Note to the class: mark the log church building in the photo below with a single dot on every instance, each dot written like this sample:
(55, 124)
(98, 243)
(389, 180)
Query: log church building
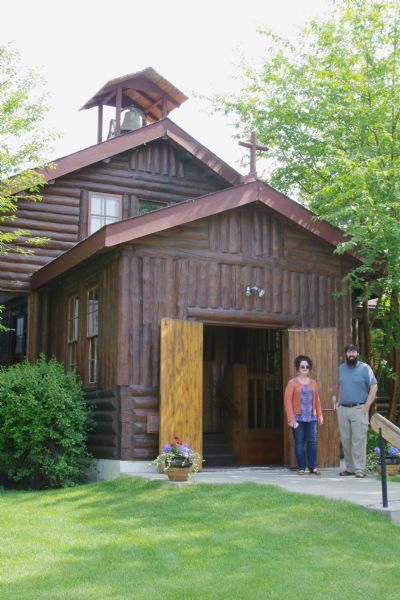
(179, 291)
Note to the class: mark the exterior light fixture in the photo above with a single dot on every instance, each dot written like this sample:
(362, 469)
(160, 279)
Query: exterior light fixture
(253, 289)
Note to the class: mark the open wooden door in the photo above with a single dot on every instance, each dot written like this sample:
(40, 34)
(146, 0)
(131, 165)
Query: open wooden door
(321, 346)
(181, 382)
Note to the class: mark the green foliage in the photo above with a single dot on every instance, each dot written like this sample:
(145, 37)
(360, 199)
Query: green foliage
(23, 143)
(328, 107)
(372, 442)
(43, 425)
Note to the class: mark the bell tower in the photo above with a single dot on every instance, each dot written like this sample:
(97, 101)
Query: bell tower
(139, 99)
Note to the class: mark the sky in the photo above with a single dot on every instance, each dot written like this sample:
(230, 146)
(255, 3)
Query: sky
(79, 45)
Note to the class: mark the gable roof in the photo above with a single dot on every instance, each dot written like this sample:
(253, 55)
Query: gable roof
(144, 89)
(141, 226)
(164, 129)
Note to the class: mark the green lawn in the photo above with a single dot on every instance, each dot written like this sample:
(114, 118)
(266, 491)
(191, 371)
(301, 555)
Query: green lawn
(134, 538)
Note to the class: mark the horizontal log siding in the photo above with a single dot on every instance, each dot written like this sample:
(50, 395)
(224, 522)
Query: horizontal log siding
(104, 438)
(205, 266)
(157, 172)
(136, 403)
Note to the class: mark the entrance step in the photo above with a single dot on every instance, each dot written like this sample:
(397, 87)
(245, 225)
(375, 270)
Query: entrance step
(216, 452)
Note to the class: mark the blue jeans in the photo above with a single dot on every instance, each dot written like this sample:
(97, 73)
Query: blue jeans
(305, 435)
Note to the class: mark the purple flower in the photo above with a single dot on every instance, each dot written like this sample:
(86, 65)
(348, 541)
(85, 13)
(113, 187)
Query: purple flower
(389, 451)
(392, 451)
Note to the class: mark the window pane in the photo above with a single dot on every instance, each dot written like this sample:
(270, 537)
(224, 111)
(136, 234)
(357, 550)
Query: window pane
(93, 360)
(19, 335)
(111, 220)
(97, 205)
(76, 312)
(72, 356)
(96, 223)
(146, 206)
(73, 318)
(93, 313)
(113, 207)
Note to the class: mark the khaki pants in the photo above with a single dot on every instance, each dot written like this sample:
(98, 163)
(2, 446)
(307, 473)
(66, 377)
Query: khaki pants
(353, 427)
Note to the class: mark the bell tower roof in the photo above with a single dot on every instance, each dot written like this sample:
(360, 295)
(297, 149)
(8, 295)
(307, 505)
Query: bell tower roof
(145, 90)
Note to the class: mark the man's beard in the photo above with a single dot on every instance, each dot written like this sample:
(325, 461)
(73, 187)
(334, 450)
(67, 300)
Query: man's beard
(351, 361)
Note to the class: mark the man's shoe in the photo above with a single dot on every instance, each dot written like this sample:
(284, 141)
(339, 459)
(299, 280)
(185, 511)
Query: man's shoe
(360, 474)
(345, 473)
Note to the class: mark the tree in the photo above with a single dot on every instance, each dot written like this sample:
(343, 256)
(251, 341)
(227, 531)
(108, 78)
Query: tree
(328, 106)
(23, 143)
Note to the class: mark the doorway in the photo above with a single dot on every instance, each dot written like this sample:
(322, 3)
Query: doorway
(242, 396)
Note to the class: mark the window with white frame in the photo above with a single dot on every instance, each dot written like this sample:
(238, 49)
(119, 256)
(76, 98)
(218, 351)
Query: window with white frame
(73, 332)
(103, 209)
(92, 331)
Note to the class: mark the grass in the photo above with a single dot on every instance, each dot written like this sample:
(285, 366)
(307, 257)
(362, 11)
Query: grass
(134, 538)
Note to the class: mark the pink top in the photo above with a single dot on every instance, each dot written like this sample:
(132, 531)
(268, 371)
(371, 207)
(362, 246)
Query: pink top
(292, 399)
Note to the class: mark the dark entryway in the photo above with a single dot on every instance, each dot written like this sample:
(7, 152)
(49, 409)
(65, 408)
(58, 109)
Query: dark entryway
(14, 320)
(242, 396)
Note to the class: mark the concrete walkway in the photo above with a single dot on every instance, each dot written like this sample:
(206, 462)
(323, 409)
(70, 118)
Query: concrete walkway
(365, 492)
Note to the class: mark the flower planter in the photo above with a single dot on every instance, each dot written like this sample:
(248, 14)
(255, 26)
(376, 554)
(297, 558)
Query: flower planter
(392, 466)
(178, 473)
(180, 461)
(177, 460)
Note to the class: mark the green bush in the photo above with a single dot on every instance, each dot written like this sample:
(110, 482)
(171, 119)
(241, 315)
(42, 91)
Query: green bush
(372, 440)
(43, 426)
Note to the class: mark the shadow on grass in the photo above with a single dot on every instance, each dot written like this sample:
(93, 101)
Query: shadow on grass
(134, 538)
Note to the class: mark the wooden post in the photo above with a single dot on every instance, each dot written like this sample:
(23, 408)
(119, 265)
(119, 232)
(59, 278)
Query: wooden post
(118, 106)
(99, 123)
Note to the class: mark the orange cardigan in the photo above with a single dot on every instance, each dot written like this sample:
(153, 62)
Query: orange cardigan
(293, 402)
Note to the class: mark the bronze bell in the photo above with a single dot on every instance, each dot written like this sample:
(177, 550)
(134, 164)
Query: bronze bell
(133, 119)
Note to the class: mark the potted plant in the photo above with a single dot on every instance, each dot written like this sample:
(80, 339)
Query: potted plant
(177, 459)
(392, 459)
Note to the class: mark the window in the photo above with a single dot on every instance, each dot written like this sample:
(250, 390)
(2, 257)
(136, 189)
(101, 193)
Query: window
(93, 331)
(146, 206)
(20, 335)
(73, 332)
(103, 209)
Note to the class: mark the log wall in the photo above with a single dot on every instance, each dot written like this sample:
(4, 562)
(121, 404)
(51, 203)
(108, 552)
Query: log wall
(157, 172)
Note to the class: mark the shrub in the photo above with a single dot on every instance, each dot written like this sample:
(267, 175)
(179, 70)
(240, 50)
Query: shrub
(43, 426)
(372, 440)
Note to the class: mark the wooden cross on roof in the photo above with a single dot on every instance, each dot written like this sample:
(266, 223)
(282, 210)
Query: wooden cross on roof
(252, 175)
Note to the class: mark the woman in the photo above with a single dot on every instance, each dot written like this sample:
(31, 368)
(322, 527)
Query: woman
(304, 414)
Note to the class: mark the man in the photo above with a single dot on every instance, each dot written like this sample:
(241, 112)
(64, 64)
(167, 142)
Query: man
(357, 391)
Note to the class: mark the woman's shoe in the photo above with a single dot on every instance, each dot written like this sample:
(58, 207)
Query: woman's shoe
(315, 472)
(301, 472)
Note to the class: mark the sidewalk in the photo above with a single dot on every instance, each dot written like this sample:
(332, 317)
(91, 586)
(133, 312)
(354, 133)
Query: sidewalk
(365, 492)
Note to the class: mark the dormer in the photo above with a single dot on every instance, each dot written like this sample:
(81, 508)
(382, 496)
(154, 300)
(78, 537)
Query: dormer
(139, 99)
